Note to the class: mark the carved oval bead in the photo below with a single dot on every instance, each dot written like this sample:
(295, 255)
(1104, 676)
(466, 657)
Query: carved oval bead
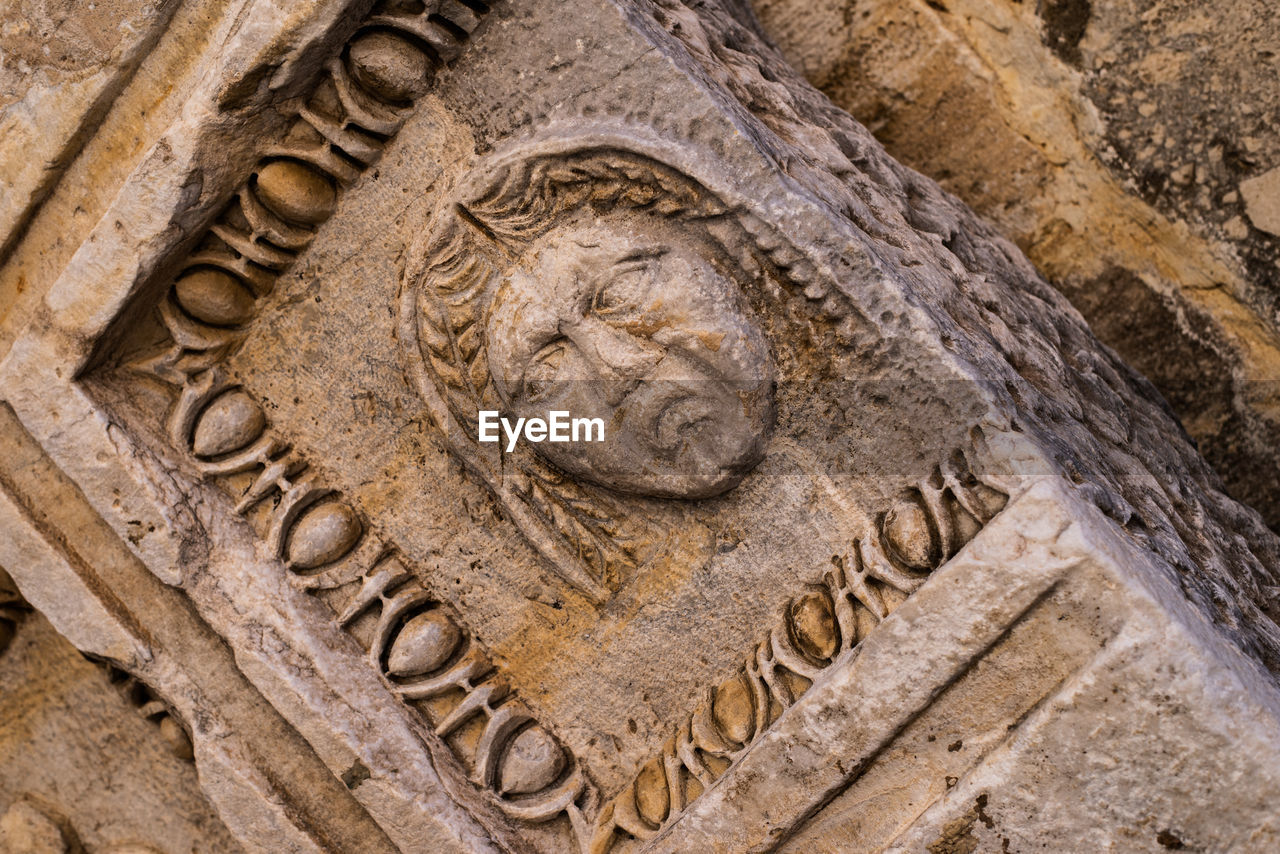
(531, 762)
(652, 798)
(813, 625)
(215, 297)
(231, 422)
(424, 644)
(296, 192)
(909, 536)
(734, 710)
(389, 66)
(324, 533)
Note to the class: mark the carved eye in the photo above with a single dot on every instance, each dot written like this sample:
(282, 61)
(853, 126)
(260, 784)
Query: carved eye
(544, 370)
(624, 292)
(611, 299)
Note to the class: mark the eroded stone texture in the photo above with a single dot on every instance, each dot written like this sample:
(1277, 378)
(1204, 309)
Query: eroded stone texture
(61, 67)
(1125, 147)
(242, 455)
(92, 758)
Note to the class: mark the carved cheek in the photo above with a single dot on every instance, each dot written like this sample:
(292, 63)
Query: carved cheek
(514, 332)
(747, 356)
(728, 338)
(578, 385)
(733, 352)
(505, 367)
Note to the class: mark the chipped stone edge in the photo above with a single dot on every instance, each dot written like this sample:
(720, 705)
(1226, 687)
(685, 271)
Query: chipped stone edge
(823, 743)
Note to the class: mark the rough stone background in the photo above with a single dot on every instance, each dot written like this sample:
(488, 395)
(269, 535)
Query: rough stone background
(1127, 153)
(1129, 148)
(74, 744)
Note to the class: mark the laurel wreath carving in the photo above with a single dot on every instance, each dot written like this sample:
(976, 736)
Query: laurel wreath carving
(467, 252)
(458, 265)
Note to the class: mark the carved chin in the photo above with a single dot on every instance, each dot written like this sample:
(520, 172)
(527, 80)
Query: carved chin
(696, 486)
(626, 471)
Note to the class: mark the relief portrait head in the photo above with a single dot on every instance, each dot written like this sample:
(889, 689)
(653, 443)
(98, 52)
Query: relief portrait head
(630, 319)
(603, 284)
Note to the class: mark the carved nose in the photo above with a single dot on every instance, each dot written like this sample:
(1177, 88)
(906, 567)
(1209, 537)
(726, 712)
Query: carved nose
(621, 361)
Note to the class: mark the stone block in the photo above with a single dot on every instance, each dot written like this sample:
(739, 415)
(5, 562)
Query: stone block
(864, 470)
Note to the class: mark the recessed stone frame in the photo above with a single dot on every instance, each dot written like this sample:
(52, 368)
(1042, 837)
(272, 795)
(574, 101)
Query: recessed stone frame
(361, 101)
(423, 651)
(419, 645)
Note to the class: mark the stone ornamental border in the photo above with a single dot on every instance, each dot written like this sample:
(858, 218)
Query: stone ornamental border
(419, 645)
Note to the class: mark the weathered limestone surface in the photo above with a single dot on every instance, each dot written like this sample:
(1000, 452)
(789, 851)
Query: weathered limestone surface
(884, 549)
(63, 65)
(92, 751)
(259, 776)
(1129, 148)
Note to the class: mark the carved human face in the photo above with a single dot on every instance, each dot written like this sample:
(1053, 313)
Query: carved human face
(643, 331)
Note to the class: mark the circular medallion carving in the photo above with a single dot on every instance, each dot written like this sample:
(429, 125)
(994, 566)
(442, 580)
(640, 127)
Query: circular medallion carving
(600, 282)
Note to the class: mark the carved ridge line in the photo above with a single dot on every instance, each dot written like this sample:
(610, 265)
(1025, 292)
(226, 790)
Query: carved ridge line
(417, 643)
(826, 625)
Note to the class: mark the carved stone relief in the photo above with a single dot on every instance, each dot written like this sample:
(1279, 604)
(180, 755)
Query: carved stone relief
(600, 534)
(674, 372)
(563, 272)
(822, 385)
(661, 365)
(524, 298)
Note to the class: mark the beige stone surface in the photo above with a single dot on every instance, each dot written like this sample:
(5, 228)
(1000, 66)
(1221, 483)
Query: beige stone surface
(240, 459)
(62, 66)
(1262, 200)
(75, 745)
(1111, 142)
